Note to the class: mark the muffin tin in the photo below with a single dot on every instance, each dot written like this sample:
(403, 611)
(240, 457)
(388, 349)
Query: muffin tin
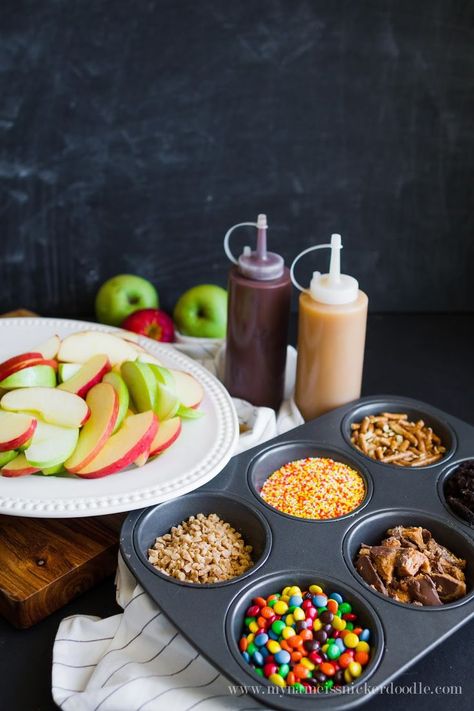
(291, 550)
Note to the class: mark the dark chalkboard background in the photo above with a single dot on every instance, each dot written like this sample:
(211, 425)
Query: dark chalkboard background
(134, 132)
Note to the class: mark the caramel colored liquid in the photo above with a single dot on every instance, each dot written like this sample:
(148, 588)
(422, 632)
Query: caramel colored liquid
(331, 342)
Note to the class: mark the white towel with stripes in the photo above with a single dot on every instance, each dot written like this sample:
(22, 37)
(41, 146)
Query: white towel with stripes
(136, 660)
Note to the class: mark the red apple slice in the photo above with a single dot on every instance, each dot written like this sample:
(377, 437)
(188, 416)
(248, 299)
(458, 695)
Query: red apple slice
(103, 404)
(189, 391)
(18, 467)
(80, 347)
(54, 406)
(132, 439)
(15, 430)
(26, 360)
(168, 432)
(89, 375)
(49, 349)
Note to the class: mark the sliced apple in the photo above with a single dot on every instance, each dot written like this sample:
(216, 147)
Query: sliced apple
(53, 405)
(89, 375)
(118, 384)
(19, 467)
(51, 445)
(20, 362)
(67, 370)
(188, 390)
(148, 358)
(168, 432)
(103, 403)
(49, 349)
(80, 347)
(142, 459)
(6, 457)
(141, 384)
(35, 376)
(15, 429)
(189, 413)
(167, 401)
(128, 336)
(50, 471)
(123, 448)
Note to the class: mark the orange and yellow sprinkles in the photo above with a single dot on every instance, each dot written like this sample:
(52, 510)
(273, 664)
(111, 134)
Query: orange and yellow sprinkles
(315, 488)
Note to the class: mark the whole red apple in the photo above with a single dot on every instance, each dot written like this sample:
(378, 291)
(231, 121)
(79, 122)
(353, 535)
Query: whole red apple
(152, 323)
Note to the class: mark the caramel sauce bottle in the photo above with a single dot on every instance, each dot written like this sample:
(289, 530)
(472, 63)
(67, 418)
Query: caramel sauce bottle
(331, 337)
(257, 322)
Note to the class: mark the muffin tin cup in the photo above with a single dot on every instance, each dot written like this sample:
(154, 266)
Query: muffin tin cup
(158, 520)
(442, 479)
(372, 529)
(375, 406)
(275, 582)
(272, 458)
(291, 550)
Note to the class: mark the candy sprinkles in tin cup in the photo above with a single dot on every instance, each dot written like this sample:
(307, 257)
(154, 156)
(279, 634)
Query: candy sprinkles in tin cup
(305, 640)
(314, 488)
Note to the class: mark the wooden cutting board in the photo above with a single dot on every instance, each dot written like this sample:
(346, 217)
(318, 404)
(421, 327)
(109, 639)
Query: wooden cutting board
(45, 563)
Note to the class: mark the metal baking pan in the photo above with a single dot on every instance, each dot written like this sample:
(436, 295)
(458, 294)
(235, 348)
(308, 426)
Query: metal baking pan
(289, 550)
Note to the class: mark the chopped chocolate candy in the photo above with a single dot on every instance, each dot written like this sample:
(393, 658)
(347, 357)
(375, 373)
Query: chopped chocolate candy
(366, 569)
(459, 491)
(411, 567)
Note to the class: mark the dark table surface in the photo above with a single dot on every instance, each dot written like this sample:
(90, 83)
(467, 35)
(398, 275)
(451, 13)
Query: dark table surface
(428, 357)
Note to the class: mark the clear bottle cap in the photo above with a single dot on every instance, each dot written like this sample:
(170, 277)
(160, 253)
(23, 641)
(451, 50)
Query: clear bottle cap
(334, 287)
(259, 264)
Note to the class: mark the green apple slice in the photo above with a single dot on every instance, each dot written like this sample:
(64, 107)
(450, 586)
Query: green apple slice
(67, 370)
(36, 376)
(118, 384)
(144, 357)
(141, 384)
(167, 401)
(49, 471)
(51, 445)
(189, 413)
(6, 457)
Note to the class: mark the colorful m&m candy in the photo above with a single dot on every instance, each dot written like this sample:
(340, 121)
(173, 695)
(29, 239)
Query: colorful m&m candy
(305, 639)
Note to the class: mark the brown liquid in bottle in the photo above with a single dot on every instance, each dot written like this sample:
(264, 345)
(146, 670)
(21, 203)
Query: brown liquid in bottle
(257, 332)
(257, 322)
(331, 342)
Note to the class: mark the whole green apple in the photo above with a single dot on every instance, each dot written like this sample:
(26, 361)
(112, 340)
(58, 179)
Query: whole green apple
(121, 296)
(202, 312)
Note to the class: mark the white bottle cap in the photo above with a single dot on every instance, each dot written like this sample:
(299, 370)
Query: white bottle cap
(334, 287)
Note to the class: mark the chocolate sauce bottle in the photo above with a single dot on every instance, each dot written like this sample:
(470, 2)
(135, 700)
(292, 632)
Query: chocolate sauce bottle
(257, 321)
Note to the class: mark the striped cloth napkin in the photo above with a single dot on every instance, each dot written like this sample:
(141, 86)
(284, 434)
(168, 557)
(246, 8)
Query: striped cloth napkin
(137, 660)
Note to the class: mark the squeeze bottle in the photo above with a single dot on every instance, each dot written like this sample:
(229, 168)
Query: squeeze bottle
(259, 293)
(331, 337)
